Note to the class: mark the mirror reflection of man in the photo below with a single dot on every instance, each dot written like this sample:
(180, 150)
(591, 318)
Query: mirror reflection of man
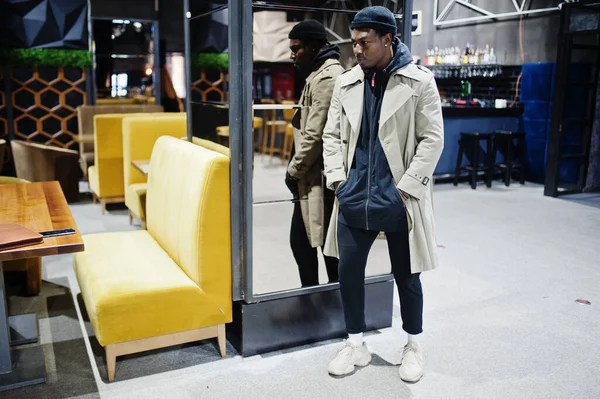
(317, 60)
(382, 142)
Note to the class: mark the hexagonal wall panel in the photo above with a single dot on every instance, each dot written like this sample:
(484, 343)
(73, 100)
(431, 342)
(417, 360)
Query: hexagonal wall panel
(50, 99)
(51, 125)
(47, 115)
(26, 127)
(209, 89)
(23, 99)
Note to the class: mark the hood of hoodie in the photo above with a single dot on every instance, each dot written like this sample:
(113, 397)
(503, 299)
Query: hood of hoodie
(402, 57)
(329, 51)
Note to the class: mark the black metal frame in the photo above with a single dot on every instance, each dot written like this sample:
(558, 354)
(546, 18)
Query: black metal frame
(240, 141)
(559, 121)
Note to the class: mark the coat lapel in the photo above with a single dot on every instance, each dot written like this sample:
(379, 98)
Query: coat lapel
(396, 95)
(352, 102)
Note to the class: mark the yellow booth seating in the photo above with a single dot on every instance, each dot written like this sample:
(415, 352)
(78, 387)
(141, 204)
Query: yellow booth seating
(211, 145)
(85, 124)
(106, 177)
(169, 284)
(139, 136)
(116, 101)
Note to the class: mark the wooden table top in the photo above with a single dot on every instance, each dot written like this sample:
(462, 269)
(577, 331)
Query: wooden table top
(142, 165)
(39, 207)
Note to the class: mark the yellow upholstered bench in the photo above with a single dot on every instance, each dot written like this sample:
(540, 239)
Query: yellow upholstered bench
(169, 284)
(106, 176)
(139, 136)
(85, 124)
(211, 145)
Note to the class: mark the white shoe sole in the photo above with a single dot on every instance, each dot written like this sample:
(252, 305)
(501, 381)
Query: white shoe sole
(351, 368)
(413, 379)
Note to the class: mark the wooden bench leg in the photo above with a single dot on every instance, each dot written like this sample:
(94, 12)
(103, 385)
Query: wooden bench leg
(144, 224)
(222, 340)
(130, 218)
(111, 359)
(162, 341)
(103, 205)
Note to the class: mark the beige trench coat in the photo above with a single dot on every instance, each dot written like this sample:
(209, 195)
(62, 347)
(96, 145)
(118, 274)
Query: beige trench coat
(411, 134)
(307, 163)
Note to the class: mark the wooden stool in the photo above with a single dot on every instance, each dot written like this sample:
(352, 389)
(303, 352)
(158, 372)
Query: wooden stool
(223, 133)
(469, 145)
(288, 142)
(512, 146)
(258, 132)
(273, 128)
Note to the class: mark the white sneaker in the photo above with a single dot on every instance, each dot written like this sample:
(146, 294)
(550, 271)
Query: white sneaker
(348, 357)
(411, 368)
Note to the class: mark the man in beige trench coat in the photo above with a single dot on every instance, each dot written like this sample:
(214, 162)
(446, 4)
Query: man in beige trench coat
(318, 62)
(382, 141)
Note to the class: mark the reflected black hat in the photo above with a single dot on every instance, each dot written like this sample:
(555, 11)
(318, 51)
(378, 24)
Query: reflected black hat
(309, 30)
(377, 17)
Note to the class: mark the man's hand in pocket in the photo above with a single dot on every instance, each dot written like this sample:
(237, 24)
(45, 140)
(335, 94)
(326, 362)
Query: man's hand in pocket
(404, 196)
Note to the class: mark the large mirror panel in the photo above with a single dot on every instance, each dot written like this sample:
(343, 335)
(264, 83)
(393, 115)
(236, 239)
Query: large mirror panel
(291, 218)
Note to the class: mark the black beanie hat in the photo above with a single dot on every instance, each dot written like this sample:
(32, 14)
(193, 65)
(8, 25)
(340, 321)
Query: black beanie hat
(377, 17)
(309, 30)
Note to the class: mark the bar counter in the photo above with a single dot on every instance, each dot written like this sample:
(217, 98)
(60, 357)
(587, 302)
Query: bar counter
(472, 119)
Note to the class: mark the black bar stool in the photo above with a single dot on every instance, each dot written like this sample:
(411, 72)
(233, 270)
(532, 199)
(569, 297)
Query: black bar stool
(512, 147)
(470, 145)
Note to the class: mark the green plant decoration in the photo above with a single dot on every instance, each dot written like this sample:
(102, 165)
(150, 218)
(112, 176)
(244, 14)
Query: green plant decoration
(218, 61)
(45, 57)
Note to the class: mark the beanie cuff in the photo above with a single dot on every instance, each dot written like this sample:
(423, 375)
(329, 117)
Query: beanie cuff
(378, 26)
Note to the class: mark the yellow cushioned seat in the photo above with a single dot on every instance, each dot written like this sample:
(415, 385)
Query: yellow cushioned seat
(135, 290)
(12, 180)
(211, 145)
(170, 284)
(135, 199)
(108, 153)
(139, 135)
(93, 179)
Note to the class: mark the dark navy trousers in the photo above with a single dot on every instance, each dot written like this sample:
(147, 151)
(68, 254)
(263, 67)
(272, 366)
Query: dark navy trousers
(354, 245)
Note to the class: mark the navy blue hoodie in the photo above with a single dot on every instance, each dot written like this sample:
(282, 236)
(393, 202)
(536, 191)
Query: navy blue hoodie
(369, 198)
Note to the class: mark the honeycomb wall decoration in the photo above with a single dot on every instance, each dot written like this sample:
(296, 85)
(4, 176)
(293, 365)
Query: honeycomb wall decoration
(44, 102)
(210, 86)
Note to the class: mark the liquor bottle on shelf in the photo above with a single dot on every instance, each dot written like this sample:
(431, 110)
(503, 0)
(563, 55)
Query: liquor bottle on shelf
(493, 59)
(486, 54)
(427, 57)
